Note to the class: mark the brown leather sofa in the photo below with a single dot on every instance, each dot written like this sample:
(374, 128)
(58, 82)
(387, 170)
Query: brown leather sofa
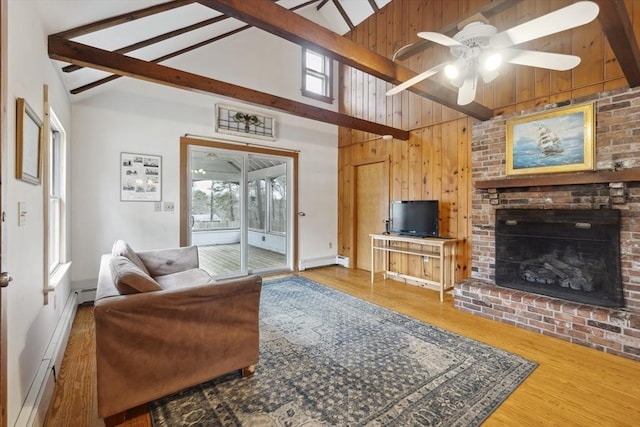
(162, 325)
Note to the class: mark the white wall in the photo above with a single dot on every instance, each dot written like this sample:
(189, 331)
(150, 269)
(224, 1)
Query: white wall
(141, 117)
(134, 116)
(30, 324)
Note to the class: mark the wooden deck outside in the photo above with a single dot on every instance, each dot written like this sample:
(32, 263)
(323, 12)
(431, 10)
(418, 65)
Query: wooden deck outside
(223, 259)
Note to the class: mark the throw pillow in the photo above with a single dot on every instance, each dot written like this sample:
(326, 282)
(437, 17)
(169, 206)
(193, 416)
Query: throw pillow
(129, 278)
(122, 248)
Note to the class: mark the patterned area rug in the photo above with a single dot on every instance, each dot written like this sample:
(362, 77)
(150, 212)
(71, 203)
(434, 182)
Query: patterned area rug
(329, 359)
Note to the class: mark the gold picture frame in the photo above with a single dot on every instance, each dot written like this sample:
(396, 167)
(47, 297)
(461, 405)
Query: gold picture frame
(562, 140)
(28, 143)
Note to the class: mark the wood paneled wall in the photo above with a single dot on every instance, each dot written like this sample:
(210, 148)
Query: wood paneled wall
(435, 162)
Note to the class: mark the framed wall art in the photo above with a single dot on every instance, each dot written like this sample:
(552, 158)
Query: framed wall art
(241, 122)
(562, 140)
(140, 177)
(28, 143)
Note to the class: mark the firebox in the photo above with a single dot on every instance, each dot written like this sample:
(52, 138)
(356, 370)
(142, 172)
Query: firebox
(572, 254)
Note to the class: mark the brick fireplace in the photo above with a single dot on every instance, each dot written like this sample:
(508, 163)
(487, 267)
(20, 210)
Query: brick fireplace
(613, 186)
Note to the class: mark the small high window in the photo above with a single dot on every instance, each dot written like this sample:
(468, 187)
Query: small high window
(317, 76)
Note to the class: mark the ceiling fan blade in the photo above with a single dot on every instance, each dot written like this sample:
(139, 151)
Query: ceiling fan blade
(532, 58)
(439, 38)
(416, 79)
(568, 17)
(467, 92)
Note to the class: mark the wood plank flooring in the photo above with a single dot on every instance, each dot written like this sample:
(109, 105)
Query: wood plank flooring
(221, 259)
(572, 386)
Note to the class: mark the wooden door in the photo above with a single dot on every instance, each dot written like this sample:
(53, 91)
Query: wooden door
(371, 207)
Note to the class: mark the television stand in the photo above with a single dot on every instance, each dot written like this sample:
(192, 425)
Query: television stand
(440, 250)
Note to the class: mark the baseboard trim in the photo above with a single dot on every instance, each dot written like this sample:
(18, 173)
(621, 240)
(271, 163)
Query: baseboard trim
(35, 407)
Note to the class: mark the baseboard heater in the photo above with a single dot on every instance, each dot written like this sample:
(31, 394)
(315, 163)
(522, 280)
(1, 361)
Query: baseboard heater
(36, 404)
(86, 295)
(316, 262)
(343, 261)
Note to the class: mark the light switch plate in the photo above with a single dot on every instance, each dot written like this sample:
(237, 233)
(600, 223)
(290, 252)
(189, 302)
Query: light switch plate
(22, 213)
(169, 206)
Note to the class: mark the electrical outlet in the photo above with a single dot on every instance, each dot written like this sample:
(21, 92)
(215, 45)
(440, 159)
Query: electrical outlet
(168, 206)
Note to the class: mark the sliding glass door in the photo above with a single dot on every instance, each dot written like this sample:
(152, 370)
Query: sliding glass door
(239, 211)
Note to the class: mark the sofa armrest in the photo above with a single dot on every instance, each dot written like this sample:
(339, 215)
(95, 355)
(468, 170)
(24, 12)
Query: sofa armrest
(152, 344)
(161, 262)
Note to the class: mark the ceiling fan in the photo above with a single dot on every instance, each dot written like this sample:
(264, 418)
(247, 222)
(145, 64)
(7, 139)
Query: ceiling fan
(479, 49)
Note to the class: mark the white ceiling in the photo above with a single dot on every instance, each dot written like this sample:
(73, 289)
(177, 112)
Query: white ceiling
(61, 15)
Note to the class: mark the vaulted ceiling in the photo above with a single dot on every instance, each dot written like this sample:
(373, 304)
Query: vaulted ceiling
(136, 43)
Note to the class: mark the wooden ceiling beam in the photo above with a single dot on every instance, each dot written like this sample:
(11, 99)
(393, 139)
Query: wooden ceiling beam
(322, 3)
(278, 21)
(122, 19)
(80, 54)
(617, 27)
(179, 52)
(343, 13)
(182, 51)
(157, 39)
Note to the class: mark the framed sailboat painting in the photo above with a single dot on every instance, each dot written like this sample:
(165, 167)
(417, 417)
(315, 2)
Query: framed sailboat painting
(561, 140)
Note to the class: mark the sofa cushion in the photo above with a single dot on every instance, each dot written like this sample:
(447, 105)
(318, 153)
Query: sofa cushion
(184, 279)
(129, 278)
(122, 248)
(161, 262)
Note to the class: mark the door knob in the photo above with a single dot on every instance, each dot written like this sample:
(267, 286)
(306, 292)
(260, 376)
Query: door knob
(5, 278)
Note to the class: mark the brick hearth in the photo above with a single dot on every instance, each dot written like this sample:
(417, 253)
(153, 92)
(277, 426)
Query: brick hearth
(615, 331)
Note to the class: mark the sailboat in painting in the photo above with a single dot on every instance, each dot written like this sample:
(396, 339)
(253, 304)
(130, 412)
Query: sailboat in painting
(548, 142)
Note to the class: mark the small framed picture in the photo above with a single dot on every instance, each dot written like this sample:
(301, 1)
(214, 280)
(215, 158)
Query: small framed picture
(28, 143)
(140, 177)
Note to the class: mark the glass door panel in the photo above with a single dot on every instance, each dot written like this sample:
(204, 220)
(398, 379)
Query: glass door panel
(267, 208)
(216, 210)
(233, 240)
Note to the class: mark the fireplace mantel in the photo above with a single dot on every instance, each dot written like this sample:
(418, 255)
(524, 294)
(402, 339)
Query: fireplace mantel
(622, 175)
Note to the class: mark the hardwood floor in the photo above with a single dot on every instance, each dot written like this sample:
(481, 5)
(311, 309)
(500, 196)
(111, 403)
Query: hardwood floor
(572, 386)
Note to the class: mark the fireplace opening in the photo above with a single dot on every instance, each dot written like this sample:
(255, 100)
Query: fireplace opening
(572, 254)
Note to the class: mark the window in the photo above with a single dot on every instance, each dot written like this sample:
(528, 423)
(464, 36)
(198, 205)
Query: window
(268, 205)
(215, 204)
(257, 204)
(278, 207)
(56, 199)
(317, 72)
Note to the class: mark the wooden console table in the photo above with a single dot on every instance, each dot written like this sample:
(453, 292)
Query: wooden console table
(439, 250)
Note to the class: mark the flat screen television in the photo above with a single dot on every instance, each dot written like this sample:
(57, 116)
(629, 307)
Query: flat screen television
(414, 218)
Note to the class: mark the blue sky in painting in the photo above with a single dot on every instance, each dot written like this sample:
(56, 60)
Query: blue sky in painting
(569, 128)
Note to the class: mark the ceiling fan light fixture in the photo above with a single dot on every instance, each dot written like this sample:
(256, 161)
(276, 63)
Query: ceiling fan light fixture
(451, 71)
(489, 76)
(457, 71)
(492, 61)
